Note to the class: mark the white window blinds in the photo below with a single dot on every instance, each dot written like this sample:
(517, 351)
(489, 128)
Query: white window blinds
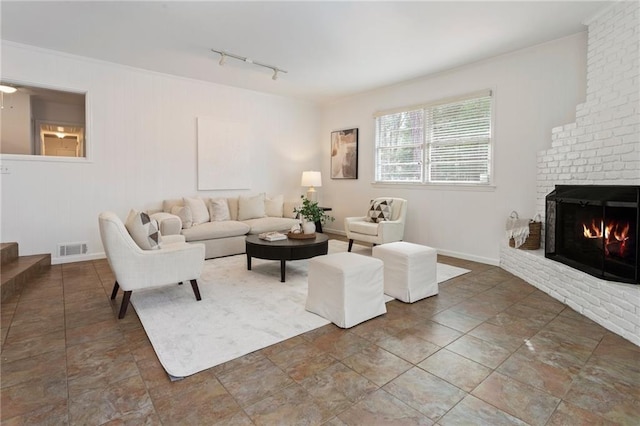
(442, 143)
(399, 141)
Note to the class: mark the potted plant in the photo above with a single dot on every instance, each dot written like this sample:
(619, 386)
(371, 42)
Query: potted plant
(310, 213)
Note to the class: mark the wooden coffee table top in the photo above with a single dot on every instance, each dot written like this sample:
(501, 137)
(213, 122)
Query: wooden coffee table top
(289, 242)
(283, 250)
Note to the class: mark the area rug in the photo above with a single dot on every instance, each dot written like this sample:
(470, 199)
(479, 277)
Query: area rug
(240, 312)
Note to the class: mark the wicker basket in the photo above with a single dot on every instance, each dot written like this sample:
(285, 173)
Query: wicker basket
(533, 240)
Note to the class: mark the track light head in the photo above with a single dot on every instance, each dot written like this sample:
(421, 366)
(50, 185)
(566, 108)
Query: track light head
(223, 58)
(275, 74)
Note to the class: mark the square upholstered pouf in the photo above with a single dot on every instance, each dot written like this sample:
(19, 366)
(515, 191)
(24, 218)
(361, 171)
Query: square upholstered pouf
(346, 288)
(409, 270)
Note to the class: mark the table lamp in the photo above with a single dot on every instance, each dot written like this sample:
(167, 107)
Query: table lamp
(311, 179)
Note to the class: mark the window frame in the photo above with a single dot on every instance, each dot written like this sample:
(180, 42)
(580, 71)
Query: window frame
(426, 143)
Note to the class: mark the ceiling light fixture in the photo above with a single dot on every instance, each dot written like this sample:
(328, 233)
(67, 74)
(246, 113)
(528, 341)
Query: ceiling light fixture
(224, 55)
(7, 89)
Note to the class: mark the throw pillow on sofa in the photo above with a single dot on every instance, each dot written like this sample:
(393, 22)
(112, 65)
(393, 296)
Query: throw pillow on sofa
(219, 210)
(185, 215)
(273, 207)
(251, 207)
(199, 211)
(143, 230)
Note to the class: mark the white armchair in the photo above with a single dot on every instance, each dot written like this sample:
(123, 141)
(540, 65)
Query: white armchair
(135, 269)
(386, 231)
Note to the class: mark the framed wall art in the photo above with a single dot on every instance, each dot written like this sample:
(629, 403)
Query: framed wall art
(344, 154)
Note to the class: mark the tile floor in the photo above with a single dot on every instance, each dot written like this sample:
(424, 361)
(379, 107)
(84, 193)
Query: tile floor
(488, 350)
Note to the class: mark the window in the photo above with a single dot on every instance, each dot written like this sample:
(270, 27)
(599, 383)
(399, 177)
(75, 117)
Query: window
(445, 142)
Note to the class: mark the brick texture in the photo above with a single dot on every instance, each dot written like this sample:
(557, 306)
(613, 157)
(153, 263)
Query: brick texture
(601, 147)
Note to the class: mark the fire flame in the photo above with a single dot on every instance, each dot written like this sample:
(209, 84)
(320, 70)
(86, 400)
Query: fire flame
(615, 233)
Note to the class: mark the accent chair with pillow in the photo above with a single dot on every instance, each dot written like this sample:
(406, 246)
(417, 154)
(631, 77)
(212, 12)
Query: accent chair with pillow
(141, 258)
(383, 223)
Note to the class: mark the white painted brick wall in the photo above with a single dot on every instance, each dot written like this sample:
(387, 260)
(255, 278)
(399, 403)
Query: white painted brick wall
(601, 147)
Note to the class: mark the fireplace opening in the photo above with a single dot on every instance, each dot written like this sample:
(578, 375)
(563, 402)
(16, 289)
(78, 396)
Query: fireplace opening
(594, 228)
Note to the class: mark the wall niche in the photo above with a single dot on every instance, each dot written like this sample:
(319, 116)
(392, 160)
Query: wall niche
(38, 121)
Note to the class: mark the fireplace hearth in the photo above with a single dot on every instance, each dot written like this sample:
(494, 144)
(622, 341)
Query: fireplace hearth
(594, 228)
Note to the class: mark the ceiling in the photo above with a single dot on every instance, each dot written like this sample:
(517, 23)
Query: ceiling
(331, 50)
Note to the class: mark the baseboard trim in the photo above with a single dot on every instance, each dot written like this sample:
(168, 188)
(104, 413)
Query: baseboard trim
(457, 255)
(78, 258)
(473, 258)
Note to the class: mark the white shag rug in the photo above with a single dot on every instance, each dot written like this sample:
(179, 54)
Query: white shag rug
(240, 312)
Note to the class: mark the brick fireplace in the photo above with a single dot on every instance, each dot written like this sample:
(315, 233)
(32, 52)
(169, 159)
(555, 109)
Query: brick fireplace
(601, 148)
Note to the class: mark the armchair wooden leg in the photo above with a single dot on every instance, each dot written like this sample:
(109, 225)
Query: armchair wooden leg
(125, 304)
(180, 283)
(196, 290)
(350, 245)
(116, 286)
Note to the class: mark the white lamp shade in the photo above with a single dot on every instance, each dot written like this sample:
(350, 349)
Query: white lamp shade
(311, 179)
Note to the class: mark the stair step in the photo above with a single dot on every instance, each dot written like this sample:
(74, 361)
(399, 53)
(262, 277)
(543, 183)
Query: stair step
(16, 273)
(9, 252)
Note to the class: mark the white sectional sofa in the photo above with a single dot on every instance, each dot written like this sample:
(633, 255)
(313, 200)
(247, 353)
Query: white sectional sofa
(222, 223)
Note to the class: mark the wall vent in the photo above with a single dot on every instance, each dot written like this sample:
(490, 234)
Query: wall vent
(72, 249)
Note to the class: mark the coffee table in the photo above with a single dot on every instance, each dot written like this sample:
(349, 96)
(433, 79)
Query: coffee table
(284, 250)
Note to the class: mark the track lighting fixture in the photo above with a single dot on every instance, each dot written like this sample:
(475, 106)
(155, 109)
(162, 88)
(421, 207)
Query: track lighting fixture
(224, 55)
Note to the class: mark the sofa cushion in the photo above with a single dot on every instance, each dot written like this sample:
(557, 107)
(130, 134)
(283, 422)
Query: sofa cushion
(270, 224)
(199, 210)
(288, 209)
(211, 230)
(251, 207)
(362, 227)
(273, 206)
(232, 202)
(184, 213)
(167, 205)
(219, 209)
(143, 230)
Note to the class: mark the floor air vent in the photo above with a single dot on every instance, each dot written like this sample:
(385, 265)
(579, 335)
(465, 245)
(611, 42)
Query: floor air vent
(72, 249)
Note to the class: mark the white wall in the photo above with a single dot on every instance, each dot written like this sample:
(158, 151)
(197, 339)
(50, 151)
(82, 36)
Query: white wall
(535, 89)
(142, 147)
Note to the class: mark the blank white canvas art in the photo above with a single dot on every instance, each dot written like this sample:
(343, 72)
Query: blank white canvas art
(224, 157)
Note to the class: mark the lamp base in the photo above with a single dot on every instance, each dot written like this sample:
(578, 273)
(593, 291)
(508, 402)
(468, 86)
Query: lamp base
(312, 195)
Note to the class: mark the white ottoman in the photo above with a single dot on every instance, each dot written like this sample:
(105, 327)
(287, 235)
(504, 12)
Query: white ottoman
(409, 270)
(346, 288)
